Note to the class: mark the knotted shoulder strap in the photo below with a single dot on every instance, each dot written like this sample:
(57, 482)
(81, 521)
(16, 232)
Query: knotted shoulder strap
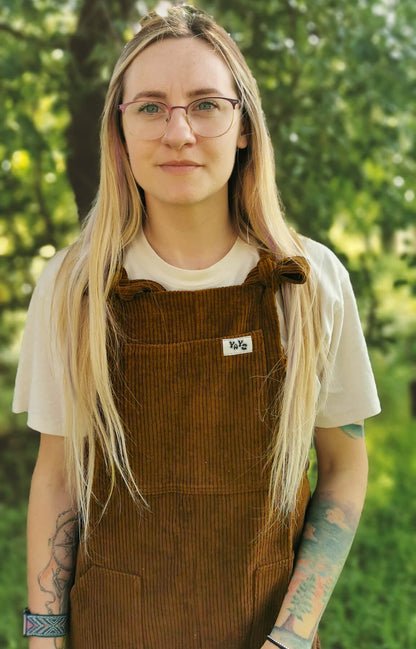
(127, 289)
(273, 272)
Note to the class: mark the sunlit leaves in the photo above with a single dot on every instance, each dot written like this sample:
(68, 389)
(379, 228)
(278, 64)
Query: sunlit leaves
(34, 191)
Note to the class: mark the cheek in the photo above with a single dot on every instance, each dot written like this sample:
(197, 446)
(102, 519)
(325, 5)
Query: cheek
(137, 149)
(138, 159)
(225, 159)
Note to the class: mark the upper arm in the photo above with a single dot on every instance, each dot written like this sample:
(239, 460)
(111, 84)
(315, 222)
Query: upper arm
(340, 456)
(347, 391)
(50, 465)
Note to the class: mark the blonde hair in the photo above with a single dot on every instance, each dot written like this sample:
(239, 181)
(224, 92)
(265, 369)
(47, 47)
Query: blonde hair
(90, 267)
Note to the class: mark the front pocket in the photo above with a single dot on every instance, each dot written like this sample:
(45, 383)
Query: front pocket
(106, 610)
(270, 586)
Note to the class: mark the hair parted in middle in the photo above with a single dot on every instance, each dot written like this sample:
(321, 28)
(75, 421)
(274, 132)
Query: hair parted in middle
(92, 262)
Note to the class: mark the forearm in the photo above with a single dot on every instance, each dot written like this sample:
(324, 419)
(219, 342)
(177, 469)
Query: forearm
(329, 530)
(51, 550)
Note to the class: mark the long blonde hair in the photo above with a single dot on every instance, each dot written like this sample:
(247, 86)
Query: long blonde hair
(87, 274)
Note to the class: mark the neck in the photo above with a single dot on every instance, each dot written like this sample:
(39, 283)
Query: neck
(190, 237)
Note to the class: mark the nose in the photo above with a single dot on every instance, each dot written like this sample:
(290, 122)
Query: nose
(178, 131)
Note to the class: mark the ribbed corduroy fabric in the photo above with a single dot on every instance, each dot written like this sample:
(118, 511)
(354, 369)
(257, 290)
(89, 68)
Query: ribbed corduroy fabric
(196, 372)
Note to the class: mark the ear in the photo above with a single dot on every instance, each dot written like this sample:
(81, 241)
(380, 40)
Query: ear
(242, 142)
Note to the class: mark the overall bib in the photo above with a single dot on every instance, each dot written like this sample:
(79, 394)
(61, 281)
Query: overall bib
(197, 569)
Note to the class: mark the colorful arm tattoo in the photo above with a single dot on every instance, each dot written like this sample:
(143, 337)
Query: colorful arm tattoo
(355, 431)
(328, 534)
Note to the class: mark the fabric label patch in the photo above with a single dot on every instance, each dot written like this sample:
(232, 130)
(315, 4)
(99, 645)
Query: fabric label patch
(233, 346)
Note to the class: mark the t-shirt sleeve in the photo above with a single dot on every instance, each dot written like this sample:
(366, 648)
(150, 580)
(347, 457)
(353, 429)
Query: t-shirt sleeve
(347, 391)
(38, 386)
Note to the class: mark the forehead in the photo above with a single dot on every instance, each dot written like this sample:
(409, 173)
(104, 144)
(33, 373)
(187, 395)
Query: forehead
(177, 65)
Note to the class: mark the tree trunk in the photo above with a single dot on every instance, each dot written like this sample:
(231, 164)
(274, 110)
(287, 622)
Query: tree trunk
(95, 44)
(288, 624)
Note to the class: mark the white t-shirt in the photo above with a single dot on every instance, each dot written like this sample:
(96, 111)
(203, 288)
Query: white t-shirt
(350, 395)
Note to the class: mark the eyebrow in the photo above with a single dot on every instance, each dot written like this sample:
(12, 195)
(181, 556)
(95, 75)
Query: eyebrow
(199, 92)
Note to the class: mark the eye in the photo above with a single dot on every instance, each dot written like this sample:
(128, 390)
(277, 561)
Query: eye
(205, 105)
(150, 108)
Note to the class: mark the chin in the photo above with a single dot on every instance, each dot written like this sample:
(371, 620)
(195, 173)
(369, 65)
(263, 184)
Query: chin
(184, 199)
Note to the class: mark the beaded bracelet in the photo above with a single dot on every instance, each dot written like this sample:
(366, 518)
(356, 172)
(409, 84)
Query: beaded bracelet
(44, 626)
(276, 643)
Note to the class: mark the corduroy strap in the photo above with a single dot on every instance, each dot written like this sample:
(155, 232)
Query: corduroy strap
(127, 289)
(272, 272)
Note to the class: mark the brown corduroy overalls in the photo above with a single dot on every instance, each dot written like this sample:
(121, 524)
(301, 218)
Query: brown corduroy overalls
(196, 570)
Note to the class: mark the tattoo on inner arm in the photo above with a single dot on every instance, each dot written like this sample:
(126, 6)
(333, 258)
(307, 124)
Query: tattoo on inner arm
(56, 578)
(355, 431)
(328, 534)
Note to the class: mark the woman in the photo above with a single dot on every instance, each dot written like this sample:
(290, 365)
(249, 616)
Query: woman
(201, 347)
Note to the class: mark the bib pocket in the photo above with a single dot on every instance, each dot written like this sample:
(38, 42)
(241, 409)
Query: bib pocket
(200, 420)
(106, 610)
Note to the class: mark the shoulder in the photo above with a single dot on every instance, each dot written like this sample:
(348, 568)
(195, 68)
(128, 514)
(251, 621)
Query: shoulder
(347, 390)
(323, 261)
(329, 274)
(47, 279)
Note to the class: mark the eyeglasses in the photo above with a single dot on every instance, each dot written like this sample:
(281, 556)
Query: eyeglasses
(207, 117)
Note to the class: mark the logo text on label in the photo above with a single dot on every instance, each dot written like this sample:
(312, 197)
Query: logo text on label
(240, 345)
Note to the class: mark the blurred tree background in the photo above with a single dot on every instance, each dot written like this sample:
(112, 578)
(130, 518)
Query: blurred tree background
(338, 81)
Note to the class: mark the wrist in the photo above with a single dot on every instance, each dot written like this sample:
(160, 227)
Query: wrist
(46, 643)
(44, 626)
(276, 643)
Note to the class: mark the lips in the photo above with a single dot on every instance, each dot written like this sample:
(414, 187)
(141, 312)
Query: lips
(179, 166)
(179, 163)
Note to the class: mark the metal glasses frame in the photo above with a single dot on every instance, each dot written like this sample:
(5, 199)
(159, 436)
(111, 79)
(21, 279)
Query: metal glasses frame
(233, 102)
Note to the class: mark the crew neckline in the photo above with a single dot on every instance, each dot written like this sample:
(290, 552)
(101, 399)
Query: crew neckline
(143, 262)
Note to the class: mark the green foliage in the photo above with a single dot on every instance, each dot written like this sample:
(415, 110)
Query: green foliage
(17, 452)
(337, 81)
(338, 84)
(37, 212)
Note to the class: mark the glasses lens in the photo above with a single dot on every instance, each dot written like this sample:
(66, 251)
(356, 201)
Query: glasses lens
(146, 119)
(208, 117)
(211, 116)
